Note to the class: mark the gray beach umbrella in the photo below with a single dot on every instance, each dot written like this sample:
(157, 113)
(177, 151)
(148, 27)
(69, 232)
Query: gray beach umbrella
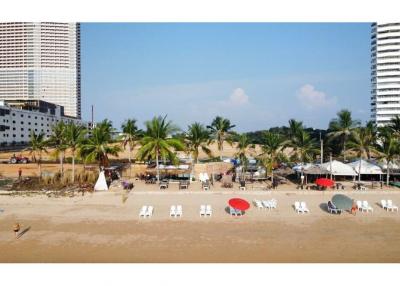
(342, 202)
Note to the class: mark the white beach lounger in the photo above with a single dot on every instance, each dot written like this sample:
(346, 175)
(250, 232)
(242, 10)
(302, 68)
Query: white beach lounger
(391, 206)
(179, 211)
(142, 212)
(367, 207)
(360, 206)
(273, 203)
(303, 206)
(297, 207)
(384, 205)
(172, 211)
(149, 212)
(208, 210)
(258, 204)
(232, 211)
(267, 204)
(202, 210)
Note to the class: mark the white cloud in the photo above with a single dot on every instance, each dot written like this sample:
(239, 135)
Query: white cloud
(312, 98)
(238, 97)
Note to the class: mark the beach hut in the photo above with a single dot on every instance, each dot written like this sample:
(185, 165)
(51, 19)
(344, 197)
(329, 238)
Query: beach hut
(101, 184)
(337, 168)
(365, 168)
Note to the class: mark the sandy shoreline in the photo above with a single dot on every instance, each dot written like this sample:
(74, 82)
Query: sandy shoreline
(105, 227)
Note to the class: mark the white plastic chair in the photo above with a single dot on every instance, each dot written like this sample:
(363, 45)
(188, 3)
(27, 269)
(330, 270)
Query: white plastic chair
(179, 211)
(208, 210)
(273, 203)
(297, 207)
(360, 206)
(202, 210)
(232, 211)
(142, 212)
(384, 205)
(303, 206)
(391, 206)
(258, 204)
(172, 211)
(266, 204)
(367, 207)
(149, 212)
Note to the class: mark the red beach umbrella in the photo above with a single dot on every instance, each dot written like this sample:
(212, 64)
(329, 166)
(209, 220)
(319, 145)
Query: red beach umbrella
(324, 182)
(239, 204)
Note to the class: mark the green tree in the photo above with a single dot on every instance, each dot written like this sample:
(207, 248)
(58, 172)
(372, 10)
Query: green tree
(38, 146)
(158, 142)
(388, 148)
(394, 125)
(295, 127)
(100, 145)
(197, 137)
(58, 141)
(221, 129)
(341, 128)
(130, 137)
(272, 147)
(304, 147)
(75, 135)
(242, 146)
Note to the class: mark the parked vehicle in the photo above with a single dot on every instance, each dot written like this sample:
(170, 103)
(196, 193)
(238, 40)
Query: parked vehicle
(18, 160)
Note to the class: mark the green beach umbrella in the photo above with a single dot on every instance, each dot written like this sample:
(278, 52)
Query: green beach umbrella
(342, 202)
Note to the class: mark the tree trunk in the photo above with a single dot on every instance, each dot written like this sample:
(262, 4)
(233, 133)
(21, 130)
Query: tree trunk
(129, 158)
(359, 171)
(61, 157)
(387, 174)
(73, 166)
(344, 150)
(40, 166)
(158, 170)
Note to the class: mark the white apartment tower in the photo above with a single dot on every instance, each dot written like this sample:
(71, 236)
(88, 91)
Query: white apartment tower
(385, 72)
(41, 61)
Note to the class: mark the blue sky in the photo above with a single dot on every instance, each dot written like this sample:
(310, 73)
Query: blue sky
(257, 75)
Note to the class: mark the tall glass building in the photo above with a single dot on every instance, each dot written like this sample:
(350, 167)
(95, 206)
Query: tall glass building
(385, 72)
(41, 61)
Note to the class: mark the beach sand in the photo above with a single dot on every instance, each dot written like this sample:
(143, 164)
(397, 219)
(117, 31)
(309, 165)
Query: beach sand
(105, 227)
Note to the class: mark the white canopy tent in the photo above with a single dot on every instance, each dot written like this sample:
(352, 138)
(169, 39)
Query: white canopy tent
(392, 166)
(365, 168)
(337, 168)
(101, 184)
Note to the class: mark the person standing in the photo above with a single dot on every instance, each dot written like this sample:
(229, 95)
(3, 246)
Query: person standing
(16, 229)
(19, 173)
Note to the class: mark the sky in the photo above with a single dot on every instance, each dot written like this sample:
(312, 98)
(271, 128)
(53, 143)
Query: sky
(259, 75)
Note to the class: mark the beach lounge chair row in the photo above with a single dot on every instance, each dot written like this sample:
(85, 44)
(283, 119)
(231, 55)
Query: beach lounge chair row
(205, 210)
(146, 211)
(388, 205)
(269, 204)
(301, 207)
(364, 206)
(176, 211)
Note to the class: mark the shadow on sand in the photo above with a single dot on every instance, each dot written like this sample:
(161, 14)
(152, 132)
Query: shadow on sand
(324, 207)
(23, 232)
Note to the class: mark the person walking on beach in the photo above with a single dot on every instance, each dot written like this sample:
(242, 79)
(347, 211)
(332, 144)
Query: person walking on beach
(17, 227)
(19, 173)
(354, 208)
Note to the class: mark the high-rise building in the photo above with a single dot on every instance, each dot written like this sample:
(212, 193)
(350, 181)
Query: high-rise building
(385, 72)
(41, 61)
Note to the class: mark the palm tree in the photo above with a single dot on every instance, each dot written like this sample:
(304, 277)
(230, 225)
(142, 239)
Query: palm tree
(243, 145)
(130, 136)
(395, 125)
(99, 145)
(221, 129)
(388, 148)
(362, 141)
(158, 142)
(38, 145)
(294, 128)
(74, 138)
(342, 127)
(57, 140)
(304, 147)
(197, 137)
(272, 146)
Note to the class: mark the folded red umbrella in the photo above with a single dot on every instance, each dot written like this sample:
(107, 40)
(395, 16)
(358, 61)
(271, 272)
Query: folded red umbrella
(239, 204)
(324, 182)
